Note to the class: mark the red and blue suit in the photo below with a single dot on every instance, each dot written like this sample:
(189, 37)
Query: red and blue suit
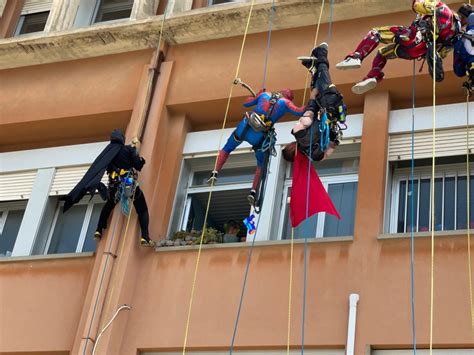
(245, 133)
(409, 42)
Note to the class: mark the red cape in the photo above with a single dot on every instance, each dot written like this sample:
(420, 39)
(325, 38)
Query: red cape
(319, 200)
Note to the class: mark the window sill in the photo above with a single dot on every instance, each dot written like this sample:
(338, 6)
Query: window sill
(456, 233)
(13, 259)
(265, 243)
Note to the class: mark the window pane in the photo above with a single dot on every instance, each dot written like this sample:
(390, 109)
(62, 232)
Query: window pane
(10, 231)
(335, 166)
(226, 176)
(225, 206)
(449, 199)
(344, 198)
(409, 205)
(34, 22)
(90, 244)
(402, 208)
(461, 215)
(114, 10)
(67, 230)
(424, 211)
(306, 228)
(438, 204)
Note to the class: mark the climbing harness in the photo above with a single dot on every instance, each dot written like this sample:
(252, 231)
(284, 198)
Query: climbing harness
(125, 183)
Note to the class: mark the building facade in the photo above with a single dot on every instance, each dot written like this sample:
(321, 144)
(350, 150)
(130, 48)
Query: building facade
(73, 70)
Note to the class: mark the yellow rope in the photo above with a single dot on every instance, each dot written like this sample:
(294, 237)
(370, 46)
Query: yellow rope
(290, 289)
(314, 45)
(468, 182)
(198, 259)
(433, 180)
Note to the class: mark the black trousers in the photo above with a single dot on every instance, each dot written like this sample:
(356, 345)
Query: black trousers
(140, 206)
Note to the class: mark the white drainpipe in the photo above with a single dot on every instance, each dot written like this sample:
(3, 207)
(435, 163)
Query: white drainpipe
(351, 328)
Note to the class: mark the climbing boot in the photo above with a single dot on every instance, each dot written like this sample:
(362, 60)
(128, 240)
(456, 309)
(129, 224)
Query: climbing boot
(98, 235)
(146, 242)
(349, 63)
(364, 86)
(251, 197)
(212, 180)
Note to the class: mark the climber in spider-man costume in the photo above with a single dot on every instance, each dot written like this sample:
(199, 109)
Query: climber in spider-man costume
(256, 124)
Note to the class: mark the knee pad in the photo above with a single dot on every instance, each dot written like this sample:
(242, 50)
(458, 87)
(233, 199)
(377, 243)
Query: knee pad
(236, 137)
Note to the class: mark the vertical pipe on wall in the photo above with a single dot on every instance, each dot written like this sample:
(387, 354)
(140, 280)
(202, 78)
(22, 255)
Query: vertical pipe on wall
(351, 327)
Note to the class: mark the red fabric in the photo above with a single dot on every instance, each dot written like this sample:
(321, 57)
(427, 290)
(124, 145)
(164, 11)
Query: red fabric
(319, 200)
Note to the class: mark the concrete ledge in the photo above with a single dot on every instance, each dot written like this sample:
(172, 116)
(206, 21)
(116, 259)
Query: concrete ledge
(187, 27)
(266, 243)
(394, 236)
(14, 259)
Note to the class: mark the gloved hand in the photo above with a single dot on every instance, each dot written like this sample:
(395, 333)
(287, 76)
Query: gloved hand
(212, 178)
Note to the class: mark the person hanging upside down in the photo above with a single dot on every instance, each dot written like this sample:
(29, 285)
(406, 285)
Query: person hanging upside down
(120, 162)
(324, 98)
(253, 129)
(464, 55)
(404, 42)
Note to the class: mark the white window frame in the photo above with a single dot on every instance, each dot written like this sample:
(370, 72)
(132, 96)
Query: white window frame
(6, 207)
(326, 181)
(85, 224)
(110, 7)
(404, 174)
(21, 21)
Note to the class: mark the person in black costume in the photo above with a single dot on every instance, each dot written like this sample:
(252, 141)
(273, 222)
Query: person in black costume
(324, 98)
(121, 162)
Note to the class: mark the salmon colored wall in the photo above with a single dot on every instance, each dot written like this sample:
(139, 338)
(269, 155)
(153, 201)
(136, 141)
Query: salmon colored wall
(68, 101)
(41, 303)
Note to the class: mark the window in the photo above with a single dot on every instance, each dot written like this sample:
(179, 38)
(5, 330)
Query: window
(11, 216)
(73, 232)
(229, 196)
(109, 10)
(32, 23)
(450, 185)
(218, 2)
(340, 178)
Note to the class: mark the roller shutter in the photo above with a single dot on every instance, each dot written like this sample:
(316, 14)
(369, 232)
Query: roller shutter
(34, 6)
(66, 178)
(16, 186)
(448, 143)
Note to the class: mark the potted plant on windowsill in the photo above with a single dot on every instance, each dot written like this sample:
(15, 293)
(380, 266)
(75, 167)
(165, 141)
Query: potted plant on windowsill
(183, 238)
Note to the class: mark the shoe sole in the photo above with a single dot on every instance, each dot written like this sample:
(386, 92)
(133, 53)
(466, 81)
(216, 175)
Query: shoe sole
(348, 66)
(359, 90)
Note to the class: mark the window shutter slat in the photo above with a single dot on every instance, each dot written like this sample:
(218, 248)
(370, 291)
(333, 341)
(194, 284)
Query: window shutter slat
(66, 178)
(34, 6)
(448, 143)
(16, 186)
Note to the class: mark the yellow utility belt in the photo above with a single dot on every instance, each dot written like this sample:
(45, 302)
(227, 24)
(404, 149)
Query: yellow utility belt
(115, 175)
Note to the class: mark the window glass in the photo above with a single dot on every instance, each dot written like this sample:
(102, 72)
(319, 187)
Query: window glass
(450, 198)
(113, 10)
(89, 243)
(225, 206)
(217, 2)
(344, 198)
(10, 231)
(32, 23)
(226, 176)
(67, 230)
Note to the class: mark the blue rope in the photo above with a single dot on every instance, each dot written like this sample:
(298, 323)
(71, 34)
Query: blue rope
(267, 52)
(324, 130)
(412, 262)
(244, 286)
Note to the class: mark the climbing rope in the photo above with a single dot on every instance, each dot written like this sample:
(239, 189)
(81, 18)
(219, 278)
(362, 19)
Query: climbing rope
(290, 292)
(412, 202)
(433, 170)
(468, 207)
(269, 40)
(198, 259)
